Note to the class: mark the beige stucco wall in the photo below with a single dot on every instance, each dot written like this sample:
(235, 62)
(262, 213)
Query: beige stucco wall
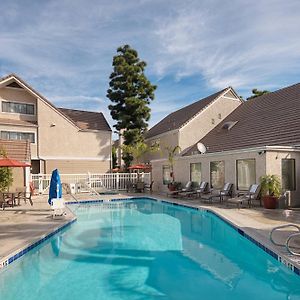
(17, 95)
(196, 128)
(199, 126)
(274, 166)
(77, 166)
(182, 167)
(18, 178)
(64, 140)
(169, 139)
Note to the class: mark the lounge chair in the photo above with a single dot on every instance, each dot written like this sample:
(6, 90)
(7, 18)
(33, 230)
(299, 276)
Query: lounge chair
(22, 194)
(221, 195)
(198, 191)
(187, 188)
(252, 194)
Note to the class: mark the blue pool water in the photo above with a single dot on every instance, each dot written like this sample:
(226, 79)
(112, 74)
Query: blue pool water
(147, 250)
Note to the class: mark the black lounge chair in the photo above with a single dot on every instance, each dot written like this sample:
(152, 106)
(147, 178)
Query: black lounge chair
(252, 194)
(220, 195)
(187, 188)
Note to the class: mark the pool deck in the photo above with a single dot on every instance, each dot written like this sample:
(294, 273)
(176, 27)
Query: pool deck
(23, 225)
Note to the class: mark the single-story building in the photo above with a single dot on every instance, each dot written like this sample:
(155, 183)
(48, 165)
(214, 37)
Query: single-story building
(261, 136)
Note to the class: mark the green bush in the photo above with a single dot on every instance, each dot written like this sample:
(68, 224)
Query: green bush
(6, 176)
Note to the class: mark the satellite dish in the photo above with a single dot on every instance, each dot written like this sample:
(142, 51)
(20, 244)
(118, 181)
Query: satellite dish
(201, 148)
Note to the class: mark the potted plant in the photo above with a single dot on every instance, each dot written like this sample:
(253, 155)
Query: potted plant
(174, 186)
(270, 190)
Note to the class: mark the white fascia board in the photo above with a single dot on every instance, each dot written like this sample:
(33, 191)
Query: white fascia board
(241, 151)
(100, 158)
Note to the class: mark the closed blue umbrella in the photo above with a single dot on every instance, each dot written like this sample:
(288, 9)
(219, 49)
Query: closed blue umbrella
(55, 189)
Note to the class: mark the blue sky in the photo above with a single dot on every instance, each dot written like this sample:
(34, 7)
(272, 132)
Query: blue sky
(64, 48)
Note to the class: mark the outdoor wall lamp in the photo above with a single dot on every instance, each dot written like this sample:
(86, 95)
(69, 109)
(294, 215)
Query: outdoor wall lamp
(52, 125)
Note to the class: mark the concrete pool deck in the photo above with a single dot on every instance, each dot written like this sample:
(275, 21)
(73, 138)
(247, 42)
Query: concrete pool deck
(22, 225)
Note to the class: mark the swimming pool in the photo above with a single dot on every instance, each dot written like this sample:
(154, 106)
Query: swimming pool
(143, 249)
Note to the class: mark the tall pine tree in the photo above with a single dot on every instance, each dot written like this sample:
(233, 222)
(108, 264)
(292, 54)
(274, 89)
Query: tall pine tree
(131, 93)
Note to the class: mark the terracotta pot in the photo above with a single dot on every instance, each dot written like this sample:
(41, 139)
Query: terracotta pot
(270, 202)
(171, 187)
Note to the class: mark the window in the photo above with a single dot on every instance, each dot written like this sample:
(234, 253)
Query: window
(288, 174)
(217, 174)
(11, 135)
(246, 175)
(166, 174)
(20, 108)
(195, 173)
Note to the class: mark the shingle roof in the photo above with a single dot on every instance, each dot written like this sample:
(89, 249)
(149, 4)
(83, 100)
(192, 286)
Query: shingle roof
(269, 120)
(19, 150)
(87, 120)
(178, 118)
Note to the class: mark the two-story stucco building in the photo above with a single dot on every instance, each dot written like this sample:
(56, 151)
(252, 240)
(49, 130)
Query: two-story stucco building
(189, 124)
(73, 141)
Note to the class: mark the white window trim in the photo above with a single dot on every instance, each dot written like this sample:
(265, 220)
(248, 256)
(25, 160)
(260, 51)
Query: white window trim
(18, 102)
(21, 131)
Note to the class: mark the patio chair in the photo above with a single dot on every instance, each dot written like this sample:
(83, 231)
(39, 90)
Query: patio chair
(58, 206)
(187, 188)
(221, 195)
(148, 187)
(252, 194)
(6, 200)
(140, 187)
(22, 194)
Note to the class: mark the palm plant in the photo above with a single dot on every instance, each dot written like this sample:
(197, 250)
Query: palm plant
(270, 185)
(172, 152)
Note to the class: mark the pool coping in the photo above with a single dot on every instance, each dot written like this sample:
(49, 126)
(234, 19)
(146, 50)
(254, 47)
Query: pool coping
(21, 251)
(283, 259)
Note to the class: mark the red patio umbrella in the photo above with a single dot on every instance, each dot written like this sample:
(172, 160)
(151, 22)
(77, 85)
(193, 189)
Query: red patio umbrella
(8, 162)
(139, 167)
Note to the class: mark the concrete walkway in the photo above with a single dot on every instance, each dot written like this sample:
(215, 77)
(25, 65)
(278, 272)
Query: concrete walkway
(22, 225)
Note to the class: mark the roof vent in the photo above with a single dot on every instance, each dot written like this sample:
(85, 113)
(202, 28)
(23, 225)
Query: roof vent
(228, 125)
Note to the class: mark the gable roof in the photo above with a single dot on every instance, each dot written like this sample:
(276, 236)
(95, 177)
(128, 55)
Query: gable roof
(81, 124)
(19, 150)
(87, 120)
(180, 117)
(269, 120)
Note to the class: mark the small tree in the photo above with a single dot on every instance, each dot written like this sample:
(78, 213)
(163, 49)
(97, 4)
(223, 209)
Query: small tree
(6, 176)
(138, 150)
(114, 156)
(131, 93)
(257, 93)
(171, 155)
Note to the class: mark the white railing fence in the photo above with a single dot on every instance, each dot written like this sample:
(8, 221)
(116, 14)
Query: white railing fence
(81, 182)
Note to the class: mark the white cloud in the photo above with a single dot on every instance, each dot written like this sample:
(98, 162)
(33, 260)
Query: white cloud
(241, 45)
(65, 48)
